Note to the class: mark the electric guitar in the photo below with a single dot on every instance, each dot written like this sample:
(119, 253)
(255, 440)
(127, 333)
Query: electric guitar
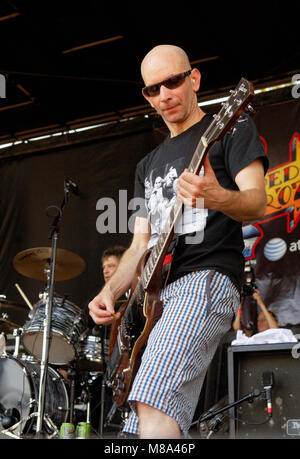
(129, 333)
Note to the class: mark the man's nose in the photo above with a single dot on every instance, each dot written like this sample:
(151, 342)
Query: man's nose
(164, 93)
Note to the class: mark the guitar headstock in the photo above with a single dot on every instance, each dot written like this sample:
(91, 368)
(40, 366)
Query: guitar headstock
(237, 102)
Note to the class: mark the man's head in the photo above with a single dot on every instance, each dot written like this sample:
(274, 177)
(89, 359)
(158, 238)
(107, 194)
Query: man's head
(110, 260)
(177, 106)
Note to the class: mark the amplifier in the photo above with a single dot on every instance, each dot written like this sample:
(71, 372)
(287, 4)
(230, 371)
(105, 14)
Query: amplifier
(246, 366)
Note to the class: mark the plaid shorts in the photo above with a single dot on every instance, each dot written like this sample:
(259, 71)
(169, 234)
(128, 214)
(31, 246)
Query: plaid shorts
(198, 310)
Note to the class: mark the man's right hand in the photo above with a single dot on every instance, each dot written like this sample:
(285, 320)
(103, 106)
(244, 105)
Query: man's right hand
(102, 308)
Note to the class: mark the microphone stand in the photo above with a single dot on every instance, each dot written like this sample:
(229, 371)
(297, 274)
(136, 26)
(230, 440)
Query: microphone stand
(248, 397)
(48, 312)
(211, 414)
(103, 382)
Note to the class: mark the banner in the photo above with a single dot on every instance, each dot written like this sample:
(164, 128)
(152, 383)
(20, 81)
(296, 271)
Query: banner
(272, 245)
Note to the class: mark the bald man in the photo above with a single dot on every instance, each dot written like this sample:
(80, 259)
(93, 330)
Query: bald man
(201, 295)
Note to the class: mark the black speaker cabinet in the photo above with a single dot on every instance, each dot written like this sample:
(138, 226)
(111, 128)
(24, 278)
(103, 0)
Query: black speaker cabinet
(246, 365)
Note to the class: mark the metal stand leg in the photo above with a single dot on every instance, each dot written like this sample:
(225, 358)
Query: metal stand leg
(46, 339)
(17, 334)
(101, 423)
(72, 377)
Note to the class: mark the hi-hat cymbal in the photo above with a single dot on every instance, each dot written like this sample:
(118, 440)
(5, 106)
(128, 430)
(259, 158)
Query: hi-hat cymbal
(6, 326)
(33, 263)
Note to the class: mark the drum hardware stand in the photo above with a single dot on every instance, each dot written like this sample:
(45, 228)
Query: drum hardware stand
(88, 410)
(2, 345)
(101, 423)
(103, 379)
(17, 333)
(48, 312)
(72, 377)
(86, 398)
(48, 421)
(111, 414)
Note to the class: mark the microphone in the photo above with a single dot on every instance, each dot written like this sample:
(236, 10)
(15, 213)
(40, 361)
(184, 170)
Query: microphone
(268, 381)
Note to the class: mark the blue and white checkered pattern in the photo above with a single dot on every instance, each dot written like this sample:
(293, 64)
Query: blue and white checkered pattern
(198, 310)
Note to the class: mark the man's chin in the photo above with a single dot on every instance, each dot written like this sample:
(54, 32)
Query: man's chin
(172, 117)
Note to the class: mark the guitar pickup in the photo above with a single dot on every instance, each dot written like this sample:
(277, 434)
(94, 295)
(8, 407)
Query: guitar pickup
(121, 345)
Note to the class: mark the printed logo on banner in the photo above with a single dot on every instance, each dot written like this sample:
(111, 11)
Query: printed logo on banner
(283, 200)
(283, 185)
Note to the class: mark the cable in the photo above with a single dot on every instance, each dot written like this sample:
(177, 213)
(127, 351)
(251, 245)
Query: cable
(249, 423)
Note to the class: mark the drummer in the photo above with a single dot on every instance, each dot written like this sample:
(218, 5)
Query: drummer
(109, 262)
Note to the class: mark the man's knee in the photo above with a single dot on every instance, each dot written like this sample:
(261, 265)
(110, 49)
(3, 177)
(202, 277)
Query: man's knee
(154, 423)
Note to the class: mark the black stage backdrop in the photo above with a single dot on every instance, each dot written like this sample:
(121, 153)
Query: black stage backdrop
(104, 168)
(32, 182)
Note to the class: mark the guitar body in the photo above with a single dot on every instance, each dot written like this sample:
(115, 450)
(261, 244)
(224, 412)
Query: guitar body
(129, 334)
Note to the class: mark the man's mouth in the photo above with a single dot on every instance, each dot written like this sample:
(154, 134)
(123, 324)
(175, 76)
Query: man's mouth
(167, 109)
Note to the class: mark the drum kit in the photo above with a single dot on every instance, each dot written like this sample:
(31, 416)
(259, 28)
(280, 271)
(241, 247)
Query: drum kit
(52, 382)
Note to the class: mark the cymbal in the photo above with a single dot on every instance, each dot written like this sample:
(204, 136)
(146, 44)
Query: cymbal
(6, 326)
(33, 263)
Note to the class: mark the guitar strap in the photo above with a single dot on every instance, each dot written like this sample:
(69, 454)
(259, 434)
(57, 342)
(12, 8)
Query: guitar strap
(168, 261)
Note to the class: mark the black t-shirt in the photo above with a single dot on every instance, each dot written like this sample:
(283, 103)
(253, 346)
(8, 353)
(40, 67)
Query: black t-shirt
(205, 238)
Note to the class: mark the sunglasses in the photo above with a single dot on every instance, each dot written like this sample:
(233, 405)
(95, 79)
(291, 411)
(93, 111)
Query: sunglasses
(172, 82)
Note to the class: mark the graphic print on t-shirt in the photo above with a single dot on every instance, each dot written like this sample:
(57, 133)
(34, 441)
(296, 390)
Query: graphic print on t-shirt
(160, 196)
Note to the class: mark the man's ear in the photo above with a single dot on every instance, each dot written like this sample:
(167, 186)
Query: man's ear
(196, 79)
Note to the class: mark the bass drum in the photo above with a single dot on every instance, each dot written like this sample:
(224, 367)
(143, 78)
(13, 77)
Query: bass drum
(19, 390)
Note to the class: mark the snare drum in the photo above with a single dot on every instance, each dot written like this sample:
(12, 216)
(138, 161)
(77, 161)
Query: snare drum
(67, 326)
(19, 390)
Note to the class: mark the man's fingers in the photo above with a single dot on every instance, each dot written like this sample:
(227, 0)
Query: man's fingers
(102, 310)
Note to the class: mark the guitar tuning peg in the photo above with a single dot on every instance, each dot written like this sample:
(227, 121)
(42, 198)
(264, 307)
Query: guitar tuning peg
(250, 110)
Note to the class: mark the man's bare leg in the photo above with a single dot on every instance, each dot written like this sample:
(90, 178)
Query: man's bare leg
(154, 423)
